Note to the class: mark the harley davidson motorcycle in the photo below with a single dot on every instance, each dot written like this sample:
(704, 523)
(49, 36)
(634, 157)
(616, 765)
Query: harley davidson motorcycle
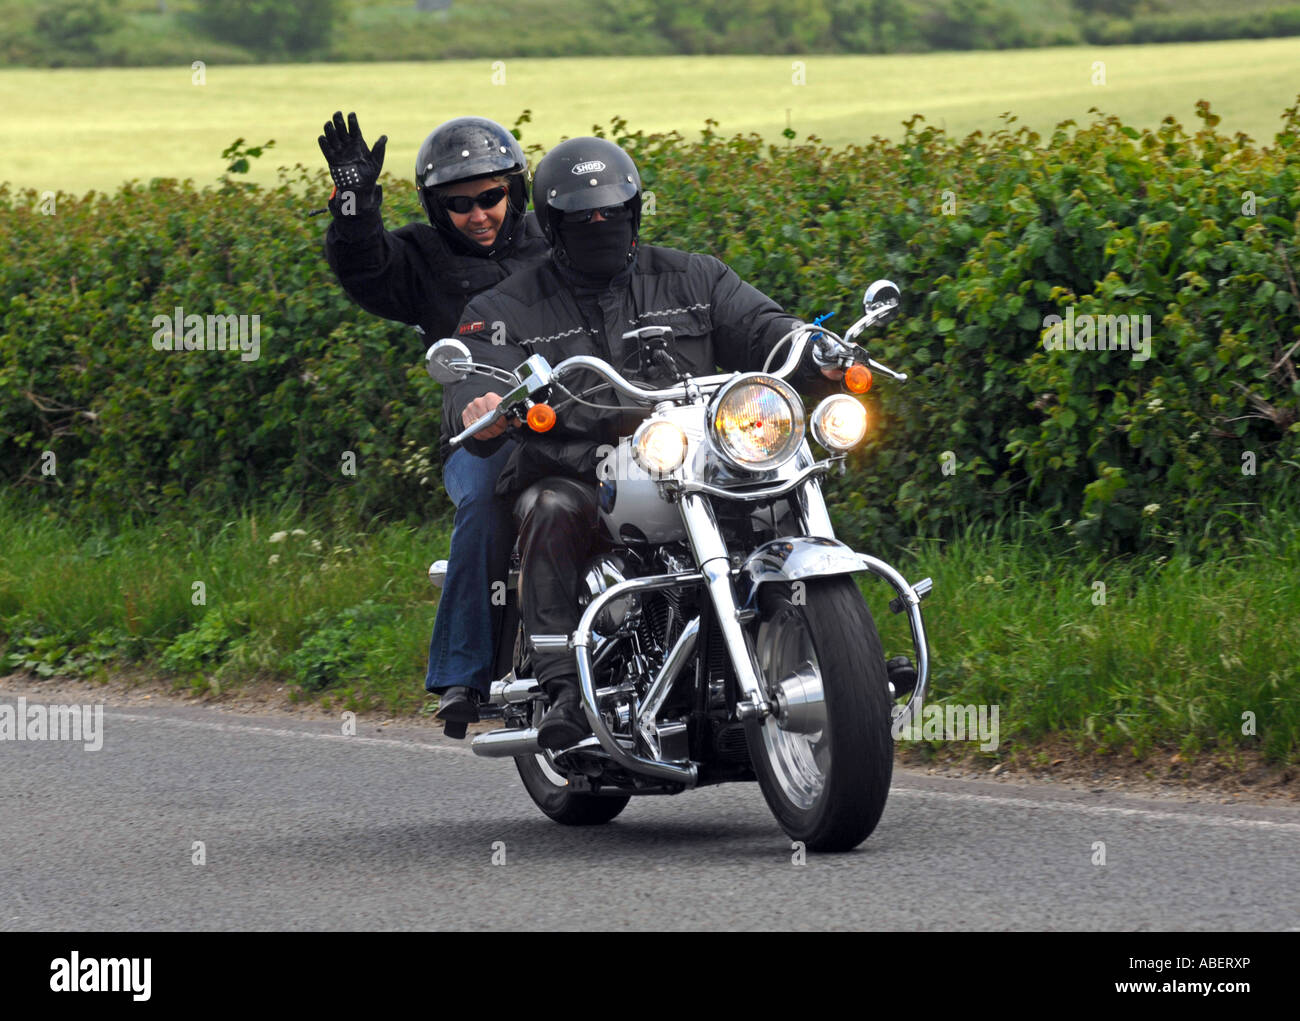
(723, 637)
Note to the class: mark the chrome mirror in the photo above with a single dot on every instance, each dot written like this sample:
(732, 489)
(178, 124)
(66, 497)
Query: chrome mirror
(438, 359)
(880, 292)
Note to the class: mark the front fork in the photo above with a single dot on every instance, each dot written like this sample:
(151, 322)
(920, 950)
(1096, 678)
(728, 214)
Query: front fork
(715, 564)
(711, 553)
(714, 573)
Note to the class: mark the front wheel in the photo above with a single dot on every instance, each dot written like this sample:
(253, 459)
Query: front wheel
(825, 775)
(550, 792)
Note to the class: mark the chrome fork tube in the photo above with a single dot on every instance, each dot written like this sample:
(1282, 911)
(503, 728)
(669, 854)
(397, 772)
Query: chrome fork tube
(814, 506)
(715, 564)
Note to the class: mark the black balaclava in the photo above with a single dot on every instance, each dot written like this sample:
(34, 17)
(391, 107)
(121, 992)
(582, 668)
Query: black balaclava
(597, 250)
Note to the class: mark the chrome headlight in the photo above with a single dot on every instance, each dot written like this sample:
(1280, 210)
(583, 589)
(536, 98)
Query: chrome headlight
(756, 422)
(839, 423)
(659, 446)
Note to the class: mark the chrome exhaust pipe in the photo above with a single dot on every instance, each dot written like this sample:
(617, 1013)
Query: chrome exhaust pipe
(506, 744)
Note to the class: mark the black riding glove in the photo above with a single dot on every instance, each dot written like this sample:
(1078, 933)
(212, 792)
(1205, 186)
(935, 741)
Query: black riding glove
(353, 166)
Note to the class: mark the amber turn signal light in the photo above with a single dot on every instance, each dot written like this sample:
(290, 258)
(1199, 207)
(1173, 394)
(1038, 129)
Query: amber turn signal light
(541, 417)
(857, 379)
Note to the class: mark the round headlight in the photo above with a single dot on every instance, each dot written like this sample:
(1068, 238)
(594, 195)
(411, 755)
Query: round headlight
(659, 446)
(756, 422)
(839, 422)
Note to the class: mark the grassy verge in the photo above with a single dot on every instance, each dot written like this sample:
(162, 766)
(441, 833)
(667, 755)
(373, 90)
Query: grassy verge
(336, 612)
(1124, 655)
(1132, 654)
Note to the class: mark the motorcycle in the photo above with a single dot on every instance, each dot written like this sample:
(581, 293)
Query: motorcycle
(723, 636)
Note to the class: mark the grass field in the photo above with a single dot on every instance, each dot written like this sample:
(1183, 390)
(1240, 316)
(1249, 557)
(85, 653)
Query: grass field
(80, 129)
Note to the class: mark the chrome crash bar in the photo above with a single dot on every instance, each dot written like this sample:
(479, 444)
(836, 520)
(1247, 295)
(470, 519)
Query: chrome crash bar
(581, 641)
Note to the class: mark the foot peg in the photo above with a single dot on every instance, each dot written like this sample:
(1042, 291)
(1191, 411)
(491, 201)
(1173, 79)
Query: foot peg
(550, 643)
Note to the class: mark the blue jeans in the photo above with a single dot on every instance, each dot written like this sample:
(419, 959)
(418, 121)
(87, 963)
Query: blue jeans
(463, 647)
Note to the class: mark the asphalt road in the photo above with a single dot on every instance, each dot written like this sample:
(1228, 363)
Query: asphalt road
(305, 828)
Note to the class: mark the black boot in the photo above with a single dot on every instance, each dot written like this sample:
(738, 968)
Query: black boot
(457, 708)
(565, 724)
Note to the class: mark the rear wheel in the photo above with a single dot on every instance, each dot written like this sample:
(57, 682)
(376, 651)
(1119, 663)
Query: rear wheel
(549, 789)
(826, 774)
(547, 786)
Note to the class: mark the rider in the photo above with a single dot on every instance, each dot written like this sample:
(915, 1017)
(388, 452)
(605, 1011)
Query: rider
(599, 283)
(472, 180)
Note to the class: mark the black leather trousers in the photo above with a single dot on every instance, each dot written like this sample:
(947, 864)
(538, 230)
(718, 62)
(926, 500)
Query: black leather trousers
(558, 533)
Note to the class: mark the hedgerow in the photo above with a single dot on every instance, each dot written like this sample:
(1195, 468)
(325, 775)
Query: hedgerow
(987, 236)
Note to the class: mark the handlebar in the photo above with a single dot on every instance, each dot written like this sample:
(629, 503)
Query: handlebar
(495, 415)
(536, 373)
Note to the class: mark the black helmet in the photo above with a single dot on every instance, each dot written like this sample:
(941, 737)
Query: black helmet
(465, 148)
(585, 173)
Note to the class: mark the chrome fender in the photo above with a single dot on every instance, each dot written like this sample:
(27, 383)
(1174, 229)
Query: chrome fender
(792, 559)
(796, 557)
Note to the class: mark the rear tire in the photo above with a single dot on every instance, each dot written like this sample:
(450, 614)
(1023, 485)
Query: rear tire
(549, 790)
(827, 788)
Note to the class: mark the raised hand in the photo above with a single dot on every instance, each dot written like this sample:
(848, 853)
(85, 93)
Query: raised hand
(352, 163)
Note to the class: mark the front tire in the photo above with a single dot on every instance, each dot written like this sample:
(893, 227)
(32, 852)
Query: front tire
(549, 791)
(826, 783)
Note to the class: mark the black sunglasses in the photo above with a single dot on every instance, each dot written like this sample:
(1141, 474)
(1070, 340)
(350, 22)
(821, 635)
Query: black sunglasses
(614, 213)
(484, 200)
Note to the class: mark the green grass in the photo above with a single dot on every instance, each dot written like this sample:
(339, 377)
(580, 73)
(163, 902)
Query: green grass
(73, 596)
(1171, 660)
(80, 129)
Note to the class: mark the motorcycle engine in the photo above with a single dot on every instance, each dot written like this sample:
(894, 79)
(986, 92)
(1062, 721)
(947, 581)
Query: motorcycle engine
(603, 574)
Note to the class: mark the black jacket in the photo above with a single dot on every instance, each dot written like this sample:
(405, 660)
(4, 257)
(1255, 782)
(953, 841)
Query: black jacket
(717, 320)
(416, 275)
